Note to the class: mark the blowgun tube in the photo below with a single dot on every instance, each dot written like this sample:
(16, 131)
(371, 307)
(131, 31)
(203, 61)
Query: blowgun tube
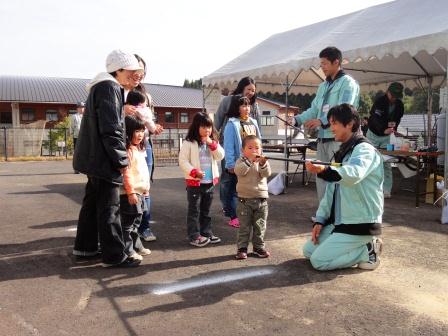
(333, 164)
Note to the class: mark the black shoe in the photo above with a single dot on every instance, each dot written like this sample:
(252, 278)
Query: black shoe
(127, 263)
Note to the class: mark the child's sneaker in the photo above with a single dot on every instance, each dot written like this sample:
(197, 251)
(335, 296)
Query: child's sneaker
(214, 239)
(147, 235)
(136, 256)
(234, 222)
(241, 254)
(144, 252)
(375, 248)
(261, 252)
(200, 241)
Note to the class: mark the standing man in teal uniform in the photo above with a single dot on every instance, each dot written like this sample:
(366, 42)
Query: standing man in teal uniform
(337, 88)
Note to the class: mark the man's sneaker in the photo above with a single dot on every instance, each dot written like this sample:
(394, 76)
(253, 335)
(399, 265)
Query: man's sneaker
(136, 256)
(375, 249)
(127, 263)
(85, 254)
(387, 194)
(147, 235)
(214, 239)
(200, 241)
(261, 253)
(144, 252)
(235, 222)
(241, 254)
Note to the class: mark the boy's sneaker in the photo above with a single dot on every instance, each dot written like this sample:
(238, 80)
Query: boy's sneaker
(144, 252)
(261, 252)
(127, 263)
(241, 254)
(234, 222)
(200, 241)
(375, 249)
(147, 235)
(214, 239)
(136, 256)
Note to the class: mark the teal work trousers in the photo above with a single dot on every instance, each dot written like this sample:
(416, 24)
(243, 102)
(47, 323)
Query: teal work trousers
(336, 250)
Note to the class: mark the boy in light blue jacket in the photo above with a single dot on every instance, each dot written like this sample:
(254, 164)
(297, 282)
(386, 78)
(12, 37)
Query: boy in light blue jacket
(350, 214)
(338, 88)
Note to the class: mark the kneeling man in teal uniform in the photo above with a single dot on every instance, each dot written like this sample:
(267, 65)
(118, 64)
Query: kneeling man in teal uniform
(349, 216)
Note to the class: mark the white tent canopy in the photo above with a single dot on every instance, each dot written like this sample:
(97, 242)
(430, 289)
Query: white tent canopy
(403, 40)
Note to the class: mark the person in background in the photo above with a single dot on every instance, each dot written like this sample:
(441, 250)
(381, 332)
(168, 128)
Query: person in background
(239, 125)
(349, 216)
(385, 116)
(147, 115)
(246, 87)
(337, 88)
(365, 125)
(198, 159)
(252, 170)
(75, 124)
(101, 154)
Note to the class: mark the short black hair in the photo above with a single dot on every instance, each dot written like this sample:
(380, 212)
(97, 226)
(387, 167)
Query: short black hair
(135, 98)
(332, 54)
(234, 108)
(249, 138)
(133, 124)
(345, 113)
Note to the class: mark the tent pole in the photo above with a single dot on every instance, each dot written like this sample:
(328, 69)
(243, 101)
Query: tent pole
(285, 148)
(446, 128)
(429, 114)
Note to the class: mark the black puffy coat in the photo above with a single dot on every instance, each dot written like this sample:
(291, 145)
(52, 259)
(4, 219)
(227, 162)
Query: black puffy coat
(379, 115)
(101, 147)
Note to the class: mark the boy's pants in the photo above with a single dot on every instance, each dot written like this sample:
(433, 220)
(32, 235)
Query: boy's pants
(336, 250)
(252, 214)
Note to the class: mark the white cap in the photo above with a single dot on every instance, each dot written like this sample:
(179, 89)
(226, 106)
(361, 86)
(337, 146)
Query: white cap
(118, 59)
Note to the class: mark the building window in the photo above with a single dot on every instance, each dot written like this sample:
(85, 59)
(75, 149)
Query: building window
(51, 115)
(5, 118)
(184, 117)
(72, 112)
(266, 113)
(267, 121)
(28, 114)
(169, 117)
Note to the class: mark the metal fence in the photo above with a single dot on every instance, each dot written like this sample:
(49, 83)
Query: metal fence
(18, 143)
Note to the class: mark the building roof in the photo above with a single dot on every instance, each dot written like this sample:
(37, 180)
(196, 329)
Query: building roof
(416, 122)
(71, 90)
(276, 103)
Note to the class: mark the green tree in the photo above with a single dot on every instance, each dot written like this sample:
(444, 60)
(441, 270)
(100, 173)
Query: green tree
(195, 84)
(365, 104)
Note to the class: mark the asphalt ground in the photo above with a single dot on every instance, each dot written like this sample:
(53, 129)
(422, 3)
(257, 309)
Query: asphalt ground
(184, 290)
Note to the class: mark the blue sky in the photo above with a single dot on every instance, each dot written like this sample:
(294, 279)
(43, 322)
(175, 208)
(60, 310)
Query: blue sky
(178, 39)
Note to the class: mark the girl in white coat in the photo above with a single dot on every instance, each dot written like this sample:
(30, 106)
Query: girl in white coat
(198, 159)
